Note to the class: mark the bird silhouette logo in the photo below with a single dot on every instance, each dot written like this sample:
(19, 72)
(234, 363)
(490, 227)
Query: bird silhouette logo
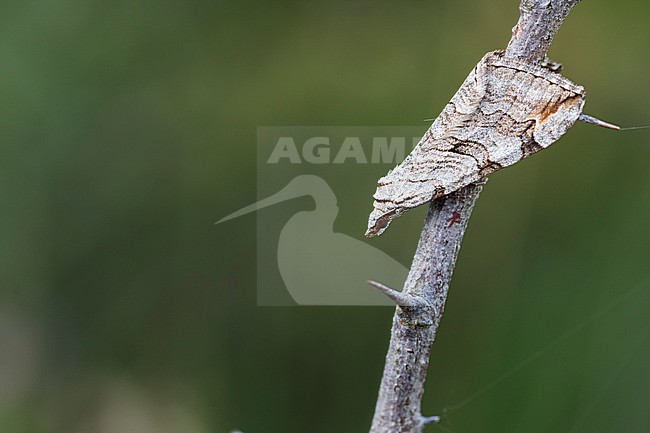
(319, 266)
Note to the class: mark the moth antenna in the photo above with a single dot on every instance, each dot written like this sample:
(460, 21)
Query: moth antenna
(592, 120)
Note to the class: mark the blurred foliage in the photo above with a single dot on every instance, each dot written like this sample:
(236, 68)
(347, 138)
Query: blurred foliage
(128, 128)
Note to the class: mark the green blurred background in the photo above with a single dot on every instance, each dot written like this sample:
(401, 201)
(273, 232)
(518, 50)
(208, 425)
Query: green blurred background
(128, 128)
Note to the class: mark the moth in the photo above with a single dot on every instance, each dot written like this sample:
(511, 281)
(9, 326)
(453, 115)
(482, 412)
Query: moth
(505, 111)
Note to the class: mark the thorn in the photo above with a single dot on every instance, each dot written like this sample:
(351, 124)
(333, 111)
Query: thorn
(589, 119)
(400, 298)
(430, 419)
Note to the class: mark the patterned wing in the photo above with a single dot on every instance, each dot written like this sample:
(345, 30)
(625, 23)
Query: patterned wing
(503, 112)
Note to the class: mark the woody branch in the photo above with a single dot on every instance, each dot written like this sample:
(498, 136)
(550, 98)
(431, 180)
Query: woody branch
(421, 302)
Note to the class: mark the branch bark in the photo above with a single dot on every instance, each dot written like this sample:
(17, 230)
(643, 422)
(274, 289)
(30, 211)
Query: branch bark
(421, 302)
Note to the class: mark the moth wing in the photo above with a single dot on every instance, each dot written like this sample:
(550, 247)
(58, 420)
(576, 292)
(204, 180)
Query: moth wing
(433, 169)
(505, 111)
(422, 177)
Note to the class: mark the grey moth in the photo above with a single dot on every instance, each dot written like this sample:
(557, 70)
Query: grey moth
(504, 111)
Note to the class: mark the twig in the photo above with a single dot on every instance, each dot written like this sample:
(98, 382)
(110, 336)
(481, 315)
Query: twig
(414, 327)
(421, 303)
